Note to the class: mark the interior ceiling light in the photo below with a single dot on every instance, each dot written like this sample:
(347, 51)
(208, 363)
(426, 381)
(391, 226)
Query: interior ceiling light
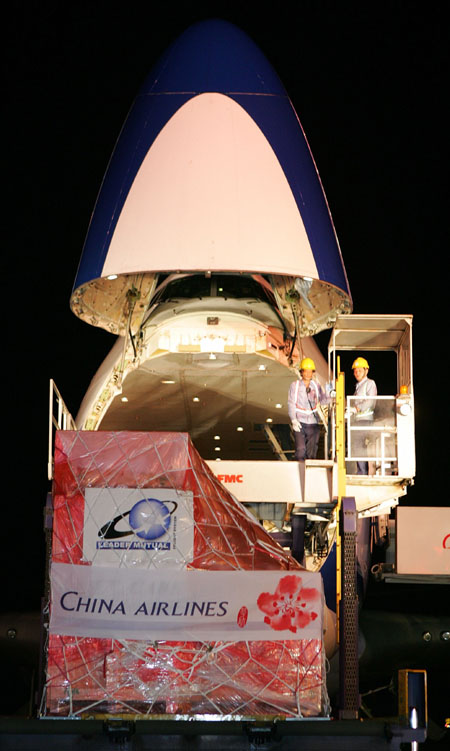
(218, 459)
(240, 429)
(269, 419)
(111, 277)
(278, 406)
(261, 367)
(196, 399)
(217, 437)
(167, 381)
(212, 360)
(124, 399)
(217, 448)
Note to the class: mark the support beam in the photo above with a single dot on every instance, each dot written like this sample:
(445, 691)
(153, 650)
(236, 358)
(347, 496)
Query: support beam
(348, 615)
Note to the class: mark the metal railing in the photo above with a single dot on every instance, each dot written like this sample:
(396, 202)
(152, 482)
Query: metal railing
(59, 419)
(372, 432)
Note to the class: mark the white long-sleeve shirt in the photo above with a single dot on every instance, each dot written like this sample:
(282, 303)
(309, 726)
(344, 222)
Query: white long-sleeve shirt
(365, 407)
(303, 406)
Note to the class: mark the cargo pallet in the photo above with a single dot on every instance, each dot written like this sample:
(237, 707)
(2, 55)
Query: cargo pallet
(218, 734)
(200, 732)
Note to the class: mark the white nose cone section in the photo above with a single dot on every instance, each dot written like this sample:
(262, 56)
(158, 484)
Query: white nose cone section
(210, 194)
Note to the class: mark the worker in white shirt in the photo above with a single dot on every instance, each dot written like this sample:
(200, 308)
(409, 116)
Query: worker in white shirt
(304, 400)
(362, 412)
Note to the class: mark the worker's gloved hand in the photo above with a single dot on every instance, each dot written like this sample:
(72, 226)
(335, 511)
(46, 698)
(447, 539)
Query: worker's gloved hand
(330, 389)
(296, 426)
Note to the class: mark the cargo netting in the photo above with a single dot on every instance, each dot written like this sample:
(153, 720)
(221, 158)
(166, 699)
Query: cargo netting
(135, 504)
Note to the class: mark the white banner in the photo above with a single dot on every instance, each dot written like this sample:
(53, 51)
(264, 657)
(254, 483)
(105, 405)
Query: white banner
(184, 605)
(138, 527)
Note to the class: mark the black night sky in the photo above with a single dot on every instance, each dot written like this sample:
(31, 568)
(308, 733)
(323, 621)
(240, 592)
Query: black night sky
(369, 83)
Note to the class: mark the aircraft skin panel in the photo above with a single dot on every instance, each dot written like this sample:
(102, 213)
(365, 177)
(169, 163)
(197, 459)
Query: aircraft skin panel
(281, 125)
(212, 169)
(146, 119)
(216, 58)
(214, 55)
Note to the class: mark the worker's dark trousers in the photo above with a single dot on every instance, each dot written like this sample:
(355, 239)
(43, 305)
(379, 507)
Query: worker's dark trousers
(306, 442)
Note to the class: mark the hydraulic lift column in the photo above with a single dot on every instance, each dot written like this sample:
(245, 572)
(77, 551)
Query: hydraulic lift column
(347, 598)
(348, 615)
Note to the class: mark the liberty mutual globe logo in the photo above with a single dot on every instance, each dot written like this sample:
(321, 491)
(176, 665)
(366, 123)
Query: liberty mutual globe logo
(149, 519)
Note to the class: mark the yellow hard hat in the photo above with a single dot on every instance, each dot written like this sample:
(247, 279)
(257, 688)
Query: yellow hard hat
(307, 364)
(360, 362)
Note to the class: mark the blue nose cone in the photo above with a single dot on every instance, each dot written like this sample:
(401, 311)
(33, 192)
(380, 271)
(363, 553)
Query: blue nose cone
(143, 223)
(213, 55)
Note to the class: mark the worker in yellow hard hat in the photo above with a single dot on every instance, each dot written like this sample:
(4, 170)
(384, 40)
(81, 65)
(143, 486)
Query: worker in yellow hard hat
(304, 400)
(362, 412)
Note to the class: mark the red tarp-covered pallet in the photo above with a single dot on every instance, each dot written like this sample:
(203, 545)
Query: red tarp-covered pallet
(102, 519)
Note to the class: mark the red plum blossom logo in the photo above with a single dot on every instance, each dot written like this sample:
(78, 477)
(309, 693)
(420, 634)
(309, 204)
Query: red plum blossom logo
(289, 608)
